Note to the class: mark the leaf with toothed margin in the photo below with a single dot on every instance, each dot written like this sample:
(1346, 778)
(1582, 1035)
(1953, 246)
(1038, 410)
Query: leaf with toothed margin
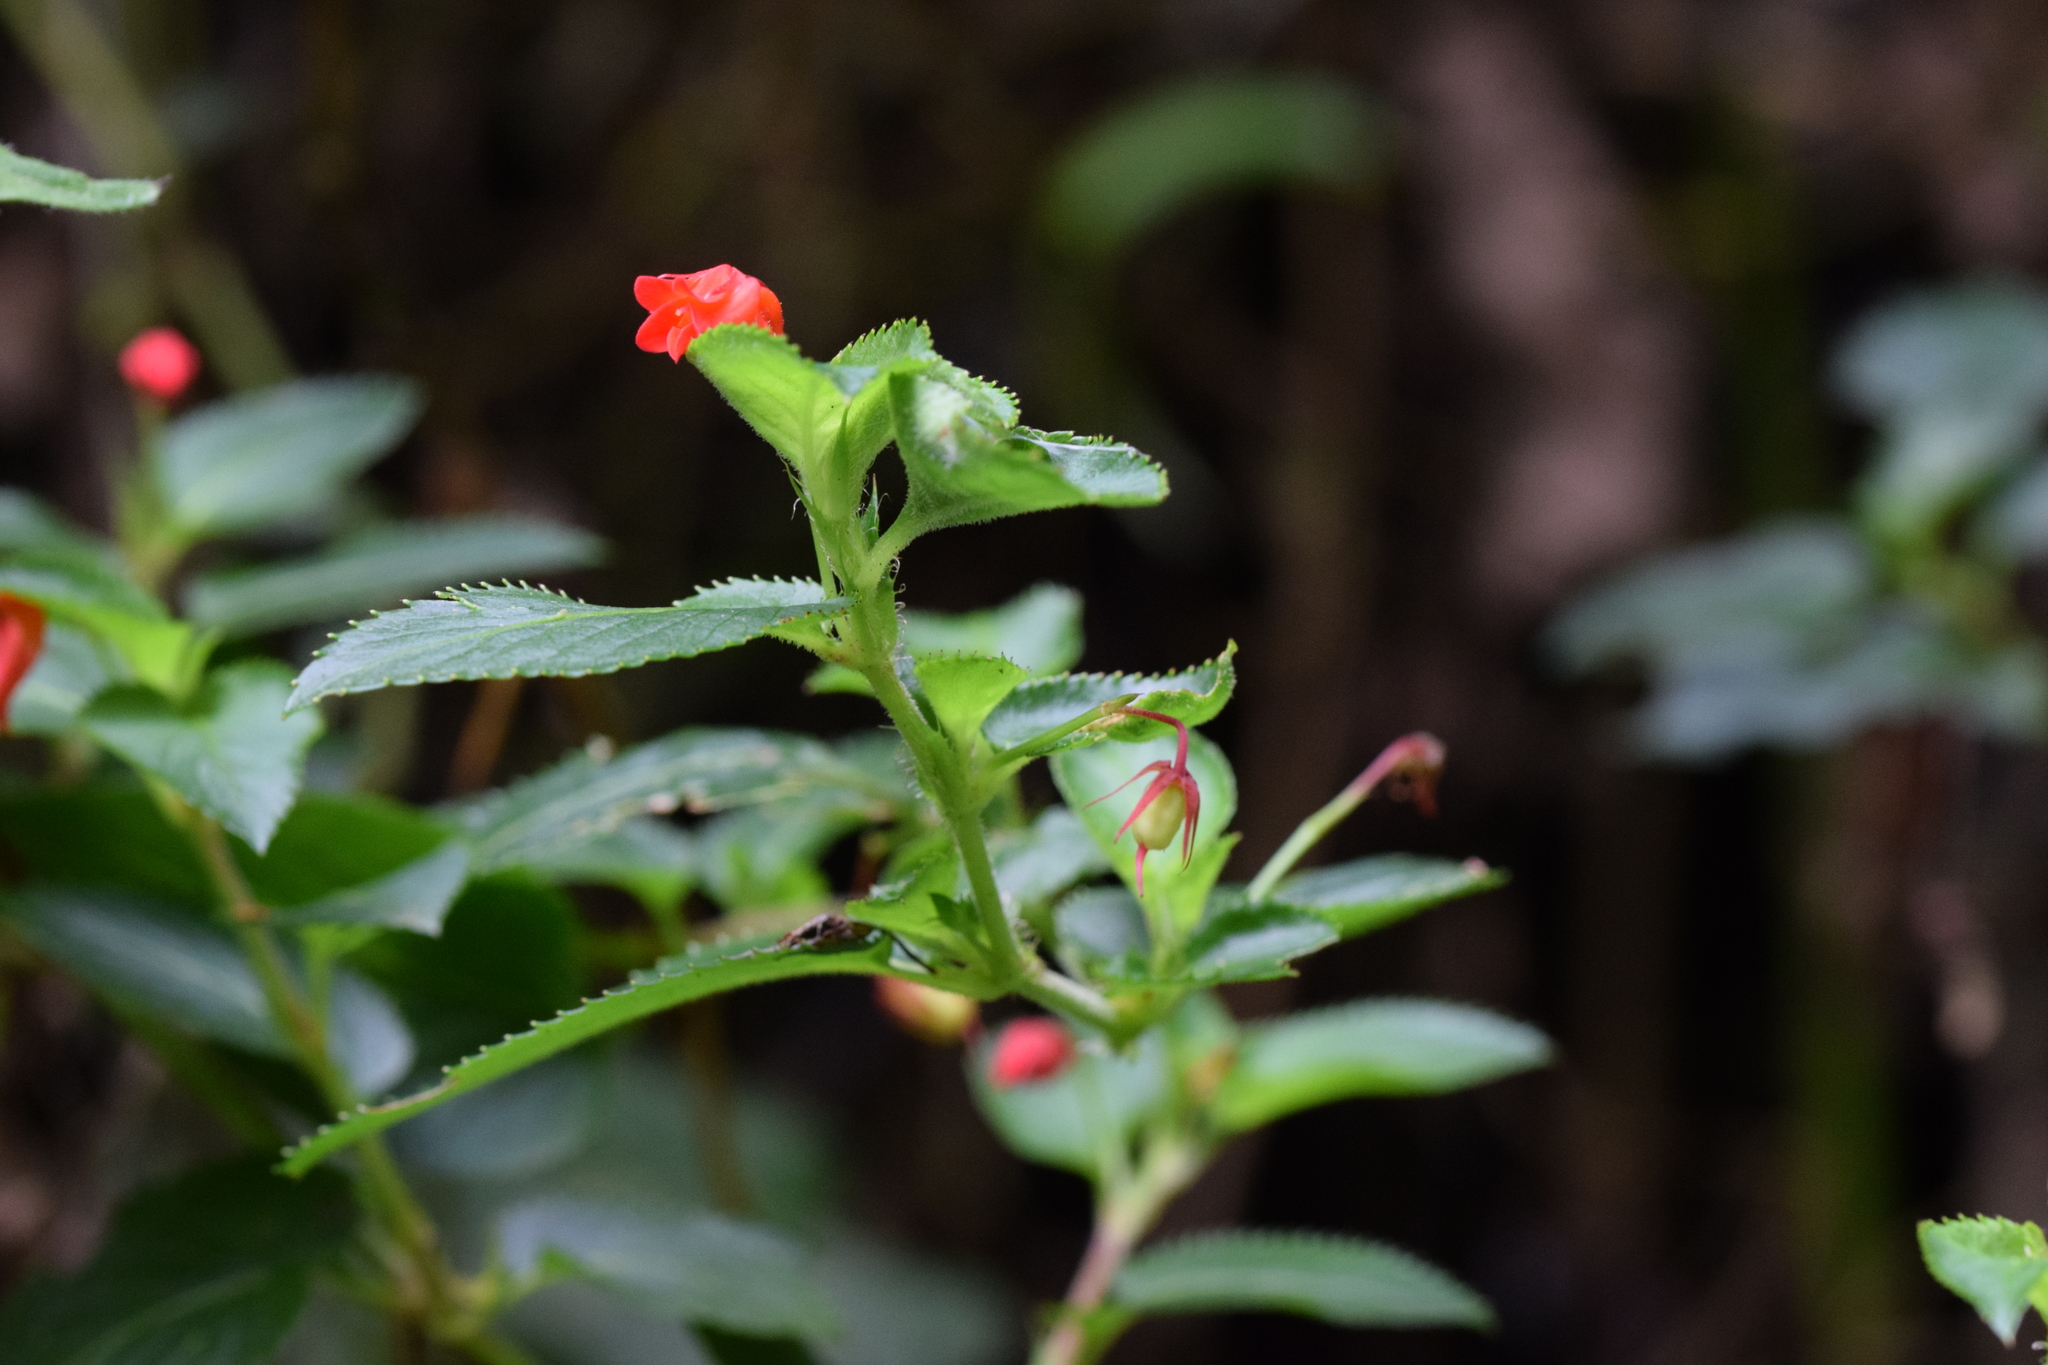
(526, 632)
(1194, 695)
(588, 794)
(672, 981)
(25, 180)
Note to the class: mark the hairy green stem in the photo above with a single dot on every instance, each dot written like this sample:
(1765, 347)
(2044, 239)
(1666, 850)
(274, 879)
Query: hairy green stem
(1310, 832)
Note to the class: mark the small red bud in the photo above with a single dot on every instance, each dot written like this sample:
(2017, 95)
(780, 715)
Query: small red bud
(159, 363)
(21, 640)
(1035, 1049)
(925, 1011)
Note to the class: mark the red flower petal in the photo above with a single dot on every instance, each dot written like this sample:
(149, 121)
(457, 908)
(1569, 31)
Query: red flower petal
(21, 640)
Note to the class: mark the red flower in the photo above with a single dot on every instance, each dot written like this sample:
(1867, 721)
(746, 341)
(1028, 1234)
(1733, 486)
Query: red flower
(1035, 1049)
(1171, 805)
(681, 308)
(21, 640)
(160, 363)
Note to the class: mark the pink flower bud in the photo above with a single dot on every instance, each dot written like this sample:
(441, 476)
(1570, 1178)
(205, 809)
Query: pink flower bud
(925, 1011)
(1035, 1049)
(159, 363)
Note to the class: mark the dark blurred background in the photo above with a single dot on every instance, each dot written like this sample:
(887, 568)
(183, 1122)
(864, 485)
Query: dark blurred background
(1571, 304)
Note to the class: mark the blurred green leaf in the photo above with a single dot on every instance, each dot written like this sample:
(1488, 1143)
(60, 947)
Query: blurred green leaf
(417, 896)
(508, 632)
(587, 795)
(1194, 695)
(673, 981)
(261, 458)
(1039, 629)
(1147, 160)
(189, 973)
(26, 523)
(2014, 525)
(767, 854)
(1254, 943)
(375, 568)
(1993, 1264)
(25, 180)
(104, 836)
(702, 1268)
(210, 1269)
(1068, 1121)
(1774, 595)
(1343, 1280)
(1370, 893)
(1039, 862)
(1370, 1047)
(524, 1124)
(506, 956)
(646, 856)
(332, 841)
(231, 751)
(69, 672)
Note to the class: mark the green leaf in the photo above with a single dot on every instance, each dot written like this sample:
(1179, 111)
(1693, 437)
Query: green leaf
(210, 1269)
(68, 673)
(1039, 629)
(417, 896)
(232, 751)
(1370, 1047)
(1143, 162)
(1371, 893)
(261, 458)
(167, 962)
(333, 841)
(700, 1267)
(1957, 378)
(964, 688)
(1068, 1120)
(791, 403)
(104, 836)
(1343, 1280)
(588, 795)
(1994, 1264)
(674, 981)
(1088, 779)
(1194, 695)
(1254, 943)
(191, 974)
(967, 465)
(376, 568)
(28, 523)
(508, 632)
(1039, 862)
(25, 180)
(646, 856)
(84, 587)
(767, 854)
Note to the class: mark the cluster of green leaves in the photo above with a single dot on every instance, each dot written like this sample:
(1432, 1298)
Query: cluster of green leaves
(1801, 632)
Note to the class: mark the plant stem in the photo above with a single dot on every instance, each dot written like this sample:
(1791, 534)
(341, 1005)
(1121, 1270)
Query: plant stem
(436, 1294)
(1123, 1215)
(1420, 756)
